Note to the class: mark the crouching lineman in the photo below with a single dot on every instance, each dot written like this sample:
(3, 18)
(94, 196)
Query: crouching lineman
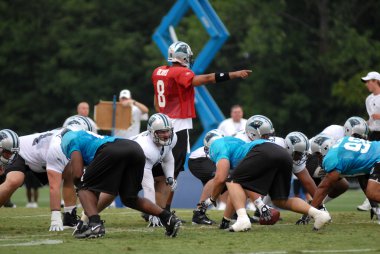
(349, 157)
(271, 175)
(113, 166)
(157, 143)
(47, 163)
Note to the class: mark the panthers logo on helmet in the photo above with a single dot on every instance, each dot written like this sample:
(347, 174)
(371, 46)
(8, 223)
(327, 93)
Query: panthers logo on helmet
(294, 139)
(320, 140)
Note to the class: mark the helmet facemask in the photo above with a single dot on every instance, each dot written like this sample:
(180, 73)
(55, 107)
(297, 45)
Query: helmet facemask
(161, 129)
(210, 137)
(298, 146)
(356, 127)
(180, 52)
(259, 127)
(9, 146)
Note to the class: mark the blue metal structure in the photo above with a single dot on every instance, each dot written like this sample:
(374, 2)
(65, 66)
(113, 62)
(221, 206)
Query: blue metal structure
(208, 111)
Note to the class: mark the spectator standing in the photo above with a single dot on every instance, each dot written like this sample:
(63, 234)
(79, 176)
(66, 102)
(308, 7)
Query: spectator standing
(139, 113)
(372, 103)
(235, 123)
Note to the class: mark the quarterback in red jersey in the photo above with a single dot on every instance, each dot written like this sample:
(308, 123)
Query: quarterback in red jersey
(174, 96)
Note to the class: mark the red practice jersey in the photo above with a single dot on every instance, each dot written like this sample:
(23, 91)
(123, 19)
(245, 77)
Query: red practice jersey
(173, 91)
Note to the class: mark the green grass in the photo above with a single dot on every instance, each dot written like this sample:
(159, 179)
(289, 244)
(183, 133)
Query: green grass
(350, 231)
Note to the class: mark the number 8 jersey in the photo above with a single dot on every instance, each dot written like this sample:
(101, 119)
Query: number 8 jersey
(352, 156)
(174, 92)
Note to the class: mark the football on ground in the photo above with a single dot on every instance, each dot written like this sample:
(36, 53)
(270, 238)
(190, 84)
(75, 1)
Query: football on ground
(273, 220)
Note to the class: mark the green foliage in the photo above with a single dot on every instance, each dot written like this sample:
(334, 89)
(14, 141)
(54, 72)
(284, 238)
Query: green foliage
(307, 58)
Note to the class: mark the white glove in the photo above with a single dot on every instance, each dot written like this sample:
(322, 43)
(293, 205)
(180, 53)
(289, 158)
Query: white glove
(56, 221)
(172, 182)
(154, 221)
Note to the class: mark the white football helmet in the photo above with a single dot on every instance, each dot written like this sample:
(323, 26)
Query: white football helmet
(210, 137)
(298, 146)
(356, 127)
(180, 52)
(9, 142)
(321, 144)
(259, 126)
(78, 122)
(160, 122)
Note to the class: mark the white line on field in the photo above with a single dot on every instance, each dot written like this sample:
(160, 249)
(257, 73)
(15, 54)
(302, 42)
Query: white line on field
(33, 243)
(316, 251)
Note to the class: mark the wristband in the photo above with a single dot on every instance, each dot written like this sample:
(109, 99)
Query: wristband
(222, 76)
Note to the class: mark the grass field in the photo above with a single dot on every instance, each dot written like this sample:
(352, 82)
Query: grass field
(24, 230)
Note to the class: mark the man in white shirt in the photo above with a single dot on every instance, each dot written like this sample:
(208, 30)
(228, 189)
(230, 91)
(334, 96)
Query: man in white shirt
(139, 113)
(372, 103)
(235, 123)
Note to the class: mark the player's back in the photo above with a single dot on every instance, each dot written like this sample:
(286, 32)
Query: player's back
(352, 156)
(174, 92)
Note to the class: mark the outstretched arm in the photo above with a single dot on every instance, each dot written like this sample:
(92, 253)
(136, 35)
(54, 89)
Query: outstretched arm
(211, 78)
(324, 187)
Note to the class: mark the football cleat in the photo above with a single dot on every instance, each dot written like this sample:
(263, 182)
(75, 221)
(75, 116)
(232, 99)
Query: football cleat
(172, 225)
(240, 225)
(70, 220)
(93, 230)
(225, 224)
(321, 219)
(366, 206)
(200, 217)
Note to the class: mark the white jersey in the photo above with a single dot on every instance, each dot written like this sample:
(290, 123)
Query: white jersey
(243, 136)
(134, 129)
(198, 153)
(372, 104)
(34, 148)
(230, 128)
(55, 158)
(334, 131)
(155, 154)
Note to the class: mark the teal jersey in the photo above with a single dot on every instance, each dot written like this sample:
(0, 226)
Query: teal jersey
(232, 149)
(87, 143)
(352, 156)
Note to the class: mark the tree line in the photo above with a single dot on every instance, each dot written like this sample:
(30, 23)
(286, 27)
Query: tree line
(307, 58)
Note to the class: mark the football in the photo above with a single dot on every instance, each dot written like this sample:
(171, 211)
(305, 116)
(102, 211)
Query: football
(275, 217)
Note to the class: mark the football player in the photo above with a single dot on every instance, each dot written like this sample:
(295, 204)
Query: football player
(40, 154)
(174, 96)
(114, 166)
(351, 156)
(272, 174)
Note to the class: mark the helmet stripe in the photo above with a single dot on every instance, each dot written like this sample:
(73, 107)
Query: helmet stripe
(12, 135)
(89, 126)
(164, 118)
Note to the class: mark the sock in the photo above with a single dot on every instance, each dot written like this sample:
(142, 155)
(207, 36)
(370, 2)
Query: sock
(313, 211)
(259, 203)
(167, 207)
(226, 219)
(164, 215)
(94, 219)
(68, 209)
(242, 214)
(84, 218)
(327, 199)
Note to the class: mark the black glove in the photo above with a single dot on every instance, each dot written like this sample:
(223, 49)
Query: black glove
(305, 219)
(265, 213)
